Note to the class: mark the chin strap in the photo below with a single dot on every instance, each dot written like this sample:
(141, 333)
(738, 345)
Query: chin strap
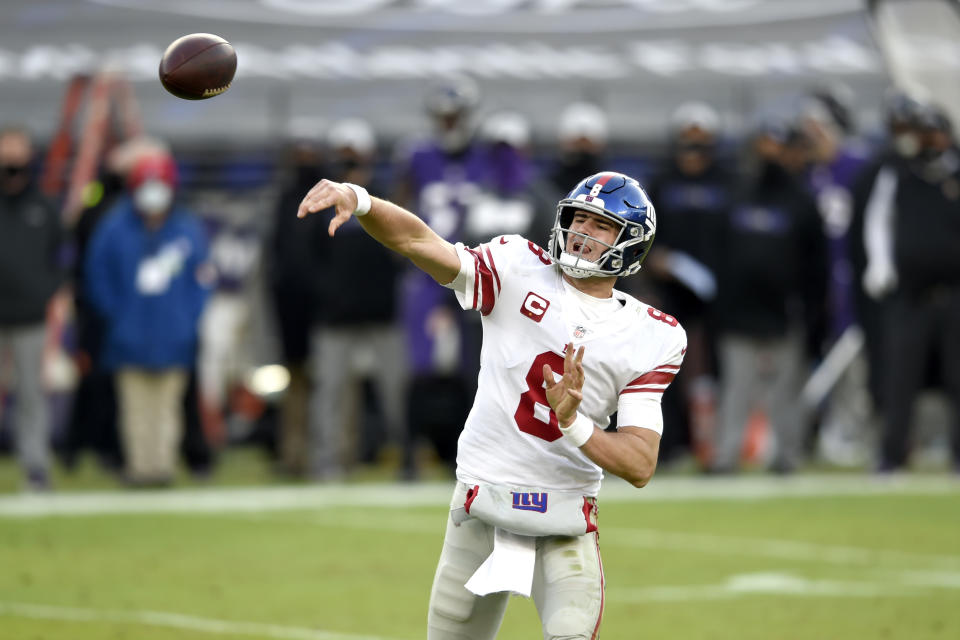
(577, 267)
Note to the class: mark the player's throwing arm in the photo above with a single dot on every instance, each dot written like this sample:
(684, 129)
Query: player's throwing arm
(392, 226)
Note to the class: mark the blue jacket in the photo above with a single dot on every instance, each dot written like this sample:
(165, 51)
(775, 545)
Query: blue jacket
(147, 285)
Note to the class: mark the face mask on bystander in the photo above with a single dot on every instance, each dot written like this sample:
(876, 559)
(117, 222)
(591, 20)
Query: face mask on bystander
(153, 198)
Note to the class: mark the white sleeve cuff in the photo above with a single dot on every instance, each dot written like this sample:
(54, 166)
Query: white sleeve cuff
(363, 199)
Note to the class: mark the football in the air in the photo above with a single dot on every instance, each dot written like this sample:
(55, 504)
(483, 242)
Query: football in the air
(198, 66)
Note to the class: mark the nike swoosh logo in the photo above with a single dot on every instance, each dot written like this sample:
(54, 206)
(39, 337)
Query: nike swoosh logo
(503, 240)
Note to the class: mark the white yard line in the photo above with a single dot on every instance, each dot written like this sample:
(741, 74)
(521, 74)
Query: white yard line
(749, 585)
(775, 548)
(174, 621)
(666, 489)
(237, 500)
(269, 504)
(646, 538)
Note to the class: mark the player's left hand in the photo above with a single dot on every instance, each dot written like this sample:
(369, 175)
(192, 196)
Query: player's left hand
(326, 194)
(565, 394)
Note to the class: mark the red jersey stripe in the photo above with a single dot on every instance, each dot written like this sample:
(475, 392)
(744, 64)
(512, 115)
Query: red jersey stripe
(486, 282)
(493, 267)
(485, 278)
(651, 390)
(654, 377)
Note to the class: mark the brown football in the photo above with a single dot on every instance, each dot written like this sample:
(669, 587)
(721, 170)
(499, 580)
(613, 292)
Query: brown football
(198, 66)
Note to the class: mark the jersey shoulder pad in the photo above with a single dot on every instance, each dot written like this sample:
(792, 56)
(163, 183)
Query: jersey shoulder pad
(665, 329)
(662, 321)
(512, 253)
(520, 251)
(660, 354)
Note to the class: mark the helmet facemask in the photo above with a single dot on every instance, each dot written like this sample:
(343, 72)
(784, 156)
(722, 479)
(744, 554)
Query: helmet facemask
(611, 260)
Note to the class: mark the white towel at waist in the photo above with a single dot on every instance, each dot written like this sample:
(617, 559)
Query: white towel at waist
(508, 568)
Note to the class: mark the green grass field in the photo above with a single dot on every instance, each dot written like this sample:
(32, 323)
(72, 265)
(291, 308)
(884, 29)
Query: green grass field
(821, 556)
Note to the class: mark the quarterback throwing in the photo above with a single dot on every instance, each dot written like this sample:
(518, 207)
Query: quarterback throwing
(562, 351)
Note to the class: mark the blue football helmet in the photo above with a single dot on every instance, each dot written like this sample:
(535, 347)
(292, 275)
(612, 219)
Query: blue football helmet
(620, 199)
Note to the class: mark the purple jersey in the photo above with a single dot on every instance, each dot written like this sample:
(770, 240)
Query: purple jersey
(831, 185)
(234, 252)
(445, 187)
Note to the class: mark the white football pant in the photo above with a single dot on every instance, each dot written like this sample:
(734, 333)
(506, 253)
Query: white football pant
(567, 585)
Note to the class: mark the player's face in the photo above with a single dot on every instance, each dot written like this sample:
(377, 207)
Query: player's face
(595, 226)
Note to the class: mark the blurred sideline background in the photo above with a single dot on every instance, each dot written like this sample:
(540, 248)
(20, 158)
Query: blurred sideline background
(311, 411)
(81, 78)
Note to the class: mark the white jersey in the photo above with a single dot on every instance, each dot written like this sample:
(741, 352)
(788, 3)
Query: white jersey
(631, 355)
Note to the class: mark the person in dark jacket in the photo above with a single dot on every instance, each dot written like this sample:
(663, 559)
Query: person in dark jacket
(770, 300)
(692, 193)
(30, 238)
(355, 335)
(147, 276)
(582, 137)
(910, 236)
(291, 258)
(871, 192)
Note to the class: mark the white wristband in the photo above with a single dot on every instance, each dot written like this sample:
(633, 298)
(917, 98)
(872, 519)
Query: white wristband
(363, 199)
(579, 430)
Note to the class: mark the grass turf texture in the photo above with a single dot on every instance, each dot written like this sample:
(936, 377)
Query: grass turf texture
(883, 565)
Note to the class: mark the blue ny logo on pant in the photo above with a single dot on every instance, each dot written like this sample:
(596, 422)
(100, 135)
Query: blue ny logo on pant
(532, 501)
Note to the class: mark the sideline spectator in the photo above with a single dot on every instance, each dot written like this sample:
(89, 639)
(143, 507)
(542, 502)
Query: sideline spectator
(872, 193)
(911, 235)
(93, 420)
(504, 205)
(30, 239)
(837, 159)
(770, 302)
(692, 193)
(441, 178)
(355, 336)
(147, 277)
(582, 135)
(235, 226)
(291, 268)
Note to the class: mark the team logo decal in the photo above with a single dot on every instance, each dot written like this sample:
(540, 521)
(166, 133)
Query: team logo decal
(532, 501)
(650, 228)
(534, 306)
